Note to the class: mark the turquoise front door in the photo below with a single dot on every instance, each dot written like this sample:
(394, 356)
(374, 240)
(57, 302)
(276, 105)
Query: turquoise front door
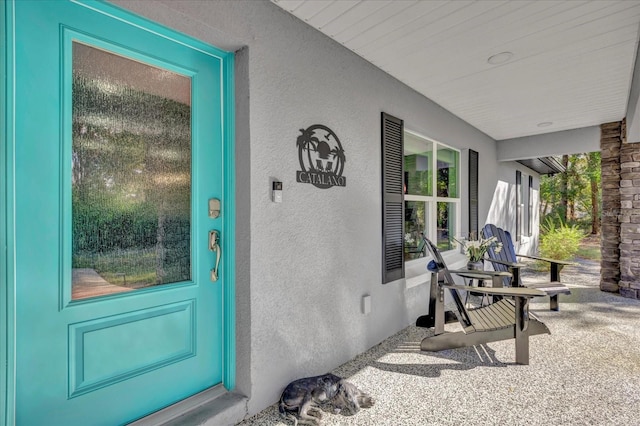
(121, 129)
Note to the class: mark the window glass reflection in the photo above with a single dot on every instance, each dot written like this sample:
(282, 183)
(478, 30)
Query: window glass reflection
(415, 226)
(448, 160)
(418, 169)
(446, 225)
(131, 174)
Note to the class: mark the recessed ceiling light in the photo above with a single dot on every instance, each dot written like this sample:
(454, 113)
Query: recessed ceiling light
(545, 124)
(500, 58)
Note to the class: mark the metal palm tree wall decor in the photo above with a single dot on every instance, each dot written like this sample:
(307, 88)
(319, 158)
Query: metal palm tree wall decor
(321, 157)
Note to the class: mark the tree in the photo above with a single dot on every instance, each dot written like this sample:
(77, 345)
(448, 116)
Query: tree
(564, 184)
(574, 195)
(594, 173)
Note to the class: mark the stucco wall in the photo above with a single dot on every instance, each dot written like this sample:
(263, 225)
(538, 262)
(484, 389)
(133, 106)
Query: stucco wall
(502, 212)
(304, 264)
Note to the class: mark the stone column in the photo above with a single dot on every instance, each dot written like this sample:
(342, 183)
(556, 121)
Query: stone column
(610, 143)
(630, 220)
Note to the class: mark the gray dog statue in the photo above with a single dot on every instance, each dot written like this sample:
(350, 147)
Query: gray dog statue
(303, 399)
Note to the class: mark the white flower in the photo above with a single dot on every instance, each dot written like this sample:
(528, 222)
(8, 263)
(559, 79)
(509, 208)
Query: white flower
(476, 249)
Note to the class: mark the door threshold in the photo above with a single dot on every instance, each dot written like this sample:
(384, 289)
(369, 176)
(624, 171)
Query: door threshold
(214, 406)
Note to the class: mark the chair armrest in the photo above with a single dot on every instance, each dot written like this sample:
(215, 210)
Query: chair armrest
(544, 259)
(509, 264)
(479, 275)
(500, 291)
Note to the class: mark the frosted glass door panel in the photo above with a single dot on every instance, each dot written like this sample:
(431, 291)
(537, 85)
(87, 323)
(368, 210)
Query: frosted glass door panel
(131, 174)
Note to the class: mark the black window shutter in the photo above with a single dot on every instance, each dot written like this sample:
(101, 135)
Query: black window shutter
(473, 193)
(518, 205)
(392, 198)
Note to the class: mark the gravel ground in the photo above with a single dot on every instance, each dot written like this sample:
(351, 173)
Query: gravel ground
(587, 372)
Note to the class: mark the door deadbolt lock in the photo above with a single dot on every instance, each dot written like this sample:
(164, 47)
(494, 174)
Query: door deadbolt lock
(214, 208)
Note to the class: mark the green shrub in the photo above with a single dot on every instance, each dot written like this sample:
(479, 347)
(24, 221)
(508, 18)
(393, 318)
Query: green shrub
(560, 241)
(107, 226)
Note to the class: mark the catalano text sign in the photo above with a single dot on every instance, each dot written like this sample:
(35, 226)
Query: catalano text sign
(321, 157)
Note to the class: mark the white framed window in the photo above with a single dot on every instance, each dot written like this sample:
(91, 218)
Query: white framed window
(530, 210)
(519, 206)
(431, 194)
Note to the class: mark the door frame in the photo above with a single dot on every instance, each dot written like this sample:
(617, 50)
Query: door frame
(8, 282)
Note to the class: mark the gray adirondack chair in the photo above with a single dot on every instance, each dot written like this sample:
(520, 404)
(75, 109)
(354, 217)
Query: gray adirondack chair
(507, 318)
(507, 260)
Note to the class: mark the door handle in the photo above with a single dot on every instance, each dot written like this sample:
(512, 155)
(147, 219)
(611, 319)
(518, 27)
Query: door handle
(214, 239)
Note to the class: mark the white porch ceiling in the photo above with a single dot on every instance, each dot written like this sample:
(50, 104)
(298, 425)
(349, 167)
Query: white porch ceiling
(572, 62)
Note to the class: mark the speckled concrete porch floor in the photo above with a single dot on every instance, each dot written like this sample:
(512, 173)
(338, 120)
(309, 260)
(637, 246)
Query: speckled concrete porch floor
(587, 372)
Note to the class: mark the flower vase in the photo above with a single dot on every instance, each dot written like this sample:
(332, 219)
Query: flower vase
(475, 266)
